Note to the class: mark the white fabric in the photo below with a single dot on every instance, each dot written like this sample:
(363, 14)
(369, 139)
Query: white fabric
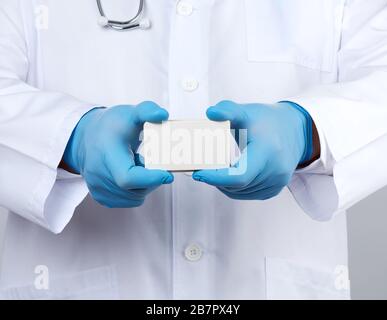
(330, 56)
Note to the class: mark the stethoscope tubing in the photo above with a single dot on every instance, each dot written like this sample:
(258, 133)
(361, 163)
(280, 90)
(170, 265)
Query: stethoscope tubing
(122, 25)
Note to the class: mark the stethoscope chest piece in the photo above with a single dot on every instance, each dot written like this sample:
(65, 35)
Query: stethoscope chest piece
(137, 22)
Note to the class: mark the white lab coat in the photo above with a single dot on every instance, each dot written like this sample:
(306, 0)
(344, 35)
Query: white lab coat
(330, 56)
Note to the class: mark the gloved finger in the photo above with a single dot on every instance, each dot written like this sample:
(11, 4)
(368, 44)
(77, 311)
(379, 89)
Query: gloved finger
(120, 162)
(266, 194)
(260, 195)
(109, 189)
(150, 112)
(142, 181)
(262, 181)
(117, 164)
(111, 199)
(229, 111)
(249, 167)
(141, 178)
(253, 187)
(128, 193)
(109, 195)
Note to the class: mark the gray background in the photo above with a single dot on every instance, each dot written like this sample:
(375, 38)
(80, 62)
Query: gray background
(367, 232)
(367, 229)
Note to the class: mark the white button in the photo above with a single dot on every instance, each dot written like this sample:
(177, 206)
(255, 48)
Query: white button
(190, 84)
(184, 8)
(193, 253)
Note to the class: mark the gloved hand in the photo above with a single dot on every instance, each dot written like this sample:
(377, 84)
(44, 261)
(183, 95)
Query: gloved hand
(279, 138)
(102, 149)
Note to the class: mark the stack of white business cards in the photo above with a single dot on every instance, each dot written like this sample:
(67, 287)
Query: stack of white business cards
(184, 146)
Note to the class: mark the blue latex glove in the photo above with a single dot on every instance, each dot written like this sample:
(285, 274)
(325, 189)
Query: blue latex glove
(279, 138)
(102, 148)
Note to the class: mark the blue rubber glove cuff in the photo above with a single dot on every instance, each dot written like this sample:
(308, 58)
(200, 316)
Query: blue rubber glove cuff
(70, 156)
(308, 132)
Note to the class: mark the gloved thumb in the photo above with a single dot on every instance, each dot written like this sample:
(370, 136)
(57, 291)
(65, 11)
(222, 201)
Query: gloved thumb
(228, 111)
(150, 112)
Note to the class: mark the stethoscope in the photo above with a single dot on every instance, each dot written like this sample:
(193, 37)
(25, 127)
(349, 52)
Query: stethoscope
(137, 22)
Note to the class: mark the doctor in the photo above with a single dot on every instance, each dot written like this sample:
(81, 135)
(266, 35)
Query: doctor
(72, 100)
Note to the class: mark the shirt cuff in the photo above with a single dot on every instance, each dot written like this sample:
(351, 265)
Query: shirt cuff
(67, 193)
(314, 187)
(58, 192)
(336, 182)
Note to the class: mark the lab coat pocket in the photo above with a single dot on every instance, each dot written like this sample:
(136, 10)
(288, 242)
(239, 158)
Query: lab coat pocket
(300, 32)
(290, 280)
(94, 284)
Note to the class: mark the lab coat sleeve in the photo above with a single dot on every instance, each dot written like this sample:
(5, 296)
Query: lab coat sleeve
(351, 118)
(35, 126)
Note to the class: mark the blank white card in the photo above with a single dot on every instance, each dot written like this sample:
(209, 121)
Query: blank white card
(180, 145)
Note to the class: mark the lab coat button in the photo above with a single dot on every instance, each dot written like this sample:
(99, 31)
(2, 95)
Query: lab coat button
(184, 8)
(193, 253)
(190, 84)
